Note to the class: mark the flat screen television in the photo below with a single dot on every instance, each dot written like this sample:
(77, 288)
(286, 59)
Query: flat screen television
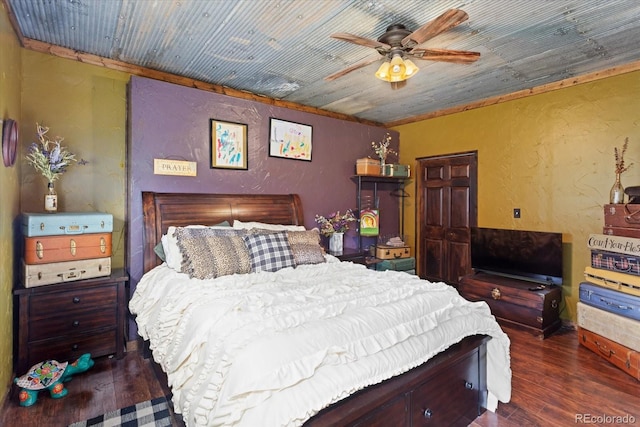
(535, 256)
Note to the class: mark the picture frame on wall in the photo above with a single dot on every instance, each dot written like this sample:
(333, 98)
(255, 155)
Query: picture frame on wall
(290, 140)
(228, 145)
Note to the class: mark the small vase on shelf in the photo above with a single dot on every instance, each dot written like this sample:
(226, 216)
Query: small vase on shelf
(616, 195)
(51, 199)
(336, 242)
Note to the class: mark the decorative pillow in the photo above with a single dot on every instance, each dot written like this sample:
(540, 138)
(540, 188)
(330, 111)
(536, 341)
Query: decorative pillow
(172, 253)
(209, 253)
(265, 226)
(159, 250)
(269, 252)
(305, 246)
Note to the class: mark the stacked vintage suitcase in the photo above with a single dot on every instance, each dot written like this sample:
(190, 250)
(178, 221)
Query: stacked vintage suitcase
(394, 255)
(609, 306)
(63, 247)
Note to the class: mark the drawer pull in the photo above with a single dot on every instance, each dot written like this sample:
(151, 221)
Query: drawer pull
(76, 323)
(496, 294)
(468, 385)
(76, 300)
(74, 347)
(428, 413)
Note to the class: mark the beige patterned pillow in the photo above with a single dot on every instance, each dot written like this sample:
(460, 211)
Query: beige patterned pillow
(305, 246)
(210, 253)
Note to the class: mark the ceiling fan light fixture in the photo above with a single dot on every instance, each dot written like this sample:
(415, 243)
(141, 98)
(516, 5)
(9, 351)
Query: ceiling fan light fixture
(383, 71)
(396, 70)
(411, 69)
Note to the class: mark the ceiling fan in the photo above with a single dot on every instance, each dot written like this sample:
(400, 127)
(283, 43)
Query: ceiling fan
(397, 44)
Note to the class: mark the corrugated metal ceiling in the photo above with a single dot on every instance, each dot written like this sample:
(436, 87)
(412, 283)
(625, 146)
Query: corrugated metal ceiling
(282, 49)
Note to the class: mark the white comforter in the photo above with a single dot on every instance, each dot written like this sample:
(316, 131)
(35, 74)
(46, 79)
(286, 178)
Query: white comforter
(273, 349)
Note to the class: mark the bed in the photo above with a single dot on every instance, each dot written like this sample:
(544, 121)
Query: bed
(315, 343)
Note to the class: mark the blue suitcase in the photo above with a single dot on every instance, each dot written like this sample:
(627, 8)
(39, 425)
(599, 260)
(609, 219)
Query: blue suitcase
(609, 300)
(407, 265)
(54, 224)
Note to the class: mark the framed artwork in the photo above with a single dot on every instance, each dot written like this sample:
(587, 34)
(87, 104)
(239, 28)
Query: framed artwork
(228, 145)
(369, 222)
(290, 140)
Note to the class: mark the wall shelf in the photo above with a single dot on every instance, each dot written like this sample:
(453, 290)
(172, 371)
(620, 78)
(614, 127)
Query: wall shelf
(363, 180)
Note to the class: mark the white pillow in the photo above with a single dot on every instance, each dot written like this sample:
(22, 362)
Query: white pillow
(172, 253)
(265, 226)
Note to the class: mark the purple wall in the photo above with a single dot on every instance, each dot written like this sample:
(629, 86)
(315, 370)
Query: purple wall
(172, 121)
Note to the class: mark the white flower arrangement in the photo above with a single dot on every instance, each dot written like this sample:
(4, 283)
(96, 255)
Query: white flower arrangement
(382, 149)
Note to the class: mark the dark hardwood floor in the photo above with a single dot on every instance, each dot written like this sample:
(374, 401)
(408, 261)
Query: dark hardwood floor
(554, 381)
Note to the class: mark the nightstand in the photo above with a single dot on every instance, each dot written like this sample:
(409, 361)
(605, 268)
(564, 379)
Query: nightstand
(359, 257)
(65, 320)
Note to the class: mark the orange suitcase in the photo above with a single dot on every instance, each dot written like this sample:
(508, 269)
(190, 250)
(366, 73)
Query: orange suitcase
(47, 249)
(618, 355)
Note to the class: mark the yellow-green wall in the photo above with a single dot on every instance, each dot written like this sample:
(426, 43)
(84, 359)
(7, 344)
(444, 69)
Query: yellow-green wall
(551, 155)
(86, 105)
(10, 104)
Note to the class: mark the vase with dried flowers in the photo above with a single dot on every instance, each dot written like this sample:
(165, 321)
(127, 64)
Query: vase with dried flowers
(51, 159)
(382, 149)
(334, 226)
(616, 195)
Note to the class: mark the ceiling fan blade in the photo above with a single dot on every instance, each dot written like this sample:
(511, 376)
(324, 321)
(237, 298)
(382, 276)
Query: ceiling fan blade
(353, 67)
(445, 55)
(444, 22)
(362, 41)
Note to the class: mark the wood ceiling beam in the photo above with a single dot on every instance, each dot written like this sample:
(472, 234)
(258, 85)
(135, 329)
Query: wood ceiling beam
(136, 70)
(572, 81)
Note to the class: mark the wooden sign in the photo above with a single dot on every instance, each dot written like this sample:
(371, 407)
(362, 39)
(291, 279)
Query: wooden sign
(174, 167)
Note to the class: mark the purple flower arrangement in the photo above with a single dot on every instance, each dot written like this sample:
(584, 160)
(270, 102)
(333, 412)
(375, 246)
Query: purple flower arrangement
(335, 222)
(49, 157)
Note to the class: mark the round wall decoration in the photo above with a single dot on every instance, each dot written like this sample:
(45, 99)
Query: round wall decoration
(9, 141)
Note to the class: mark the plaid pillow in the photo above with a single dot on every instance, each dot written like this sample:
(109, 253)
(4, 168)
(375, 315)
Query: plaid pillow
(269, 252)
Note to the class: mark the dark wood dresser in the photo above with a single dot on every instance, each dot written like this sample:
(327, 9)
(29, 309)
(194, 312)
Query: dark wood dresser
(519, 303)
(65, 320)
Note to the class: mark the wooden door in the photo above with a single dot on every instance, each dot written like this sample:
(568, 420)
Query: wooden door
(447, 208)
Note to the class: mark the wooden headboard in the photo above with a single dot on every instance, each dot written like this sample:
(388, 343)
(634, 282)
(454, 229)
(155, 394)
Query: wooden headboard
(162, 210)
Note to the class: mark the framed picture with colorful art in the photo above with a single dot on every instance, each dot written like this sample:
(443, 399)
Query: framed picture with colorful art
(290, 140)
(228, 145)
(369, 222)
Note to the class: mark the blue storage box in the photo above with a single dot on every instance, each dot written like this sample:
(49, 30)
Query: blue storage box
(54, 224)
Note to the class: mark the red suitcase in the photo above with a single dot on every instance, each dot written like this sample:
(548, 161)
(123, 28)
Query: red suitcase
(621, 231)
(47, 249)
(621, 215)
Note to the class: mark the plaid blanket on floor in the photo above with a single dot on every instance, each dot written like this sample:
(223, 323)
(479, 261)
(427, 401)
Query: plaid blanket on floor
(151, 413)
